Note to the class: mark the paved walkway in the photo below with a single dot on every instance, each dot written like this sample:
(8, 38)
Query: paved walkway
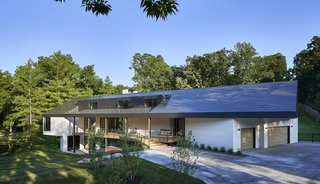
(295, 163)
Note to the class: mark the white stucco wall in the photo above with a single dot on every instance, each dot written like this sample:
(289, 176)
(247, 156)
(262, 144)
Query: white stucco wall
(211, 131)
(63, 127)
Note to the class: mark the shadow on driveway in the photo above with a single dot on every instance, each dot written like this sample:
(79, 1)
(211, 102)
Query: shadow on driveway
(294, 163)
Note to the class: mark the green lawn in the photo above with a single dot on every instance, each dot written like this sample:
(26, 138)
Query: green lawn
(307, 126)
(50, 166)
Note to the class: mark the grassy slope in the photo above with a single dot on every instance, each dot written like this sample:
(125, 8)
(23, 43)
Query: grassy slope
(42, 165)
(307, 125)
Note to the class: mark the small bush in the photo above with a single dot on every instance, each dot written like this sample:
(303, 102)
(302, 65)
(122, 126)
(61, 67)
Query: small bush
(215, 149)
(239, 152)
(222, 149)
(196, 145)
(202, 146)
(230, 151)
(209, 148)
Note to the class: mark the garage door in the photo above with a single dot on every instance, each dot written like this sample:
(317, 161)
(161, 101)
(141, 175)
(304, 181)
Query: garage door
(277, 135)
(247, 138)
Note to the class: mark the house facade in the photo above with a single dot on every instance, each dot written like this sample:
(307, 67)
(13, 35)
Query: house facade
(237, 117)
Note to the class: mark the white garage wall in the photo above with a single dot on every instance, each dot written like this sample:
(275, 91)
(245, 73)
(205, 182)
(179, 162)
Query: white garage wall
(211, 131)
(248, 123)
(293, 123)
(261, 125)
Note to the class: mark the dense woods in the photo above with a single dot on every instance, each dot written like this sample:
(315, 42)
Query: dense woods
(41, 85)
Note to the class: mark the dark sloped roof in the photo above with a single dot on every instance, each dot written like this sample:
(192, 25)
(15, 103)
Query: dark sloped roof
(275, 99)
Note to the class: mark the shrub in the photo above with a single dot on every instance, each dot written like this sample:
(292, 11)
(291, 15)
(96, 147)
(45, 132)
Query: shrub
(230, 151)
(196, 145)
(96, 151)
(185, 156)
(202, 146)
(239, 152)
(215, 149)
(222, 149)
(209, 148)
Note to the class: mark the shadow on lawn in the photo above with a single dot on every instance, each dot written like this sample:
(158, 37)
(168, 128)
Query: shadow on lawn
(40, 166)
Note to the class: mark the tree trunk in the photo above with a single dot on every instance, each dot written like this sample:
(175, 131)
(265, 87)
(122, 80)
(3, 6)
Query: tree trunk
(10, 143)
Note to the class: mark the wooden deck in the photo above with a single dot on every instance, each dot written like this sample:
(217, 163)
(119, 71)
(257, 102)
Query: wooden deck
(169, 139)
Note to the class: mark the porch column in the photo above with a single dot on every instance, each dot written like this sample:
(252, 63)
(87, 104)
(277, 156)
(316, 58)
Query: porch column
(74, 131)
(265, 135)
(149, 127)
(126, 125)
(106, 125)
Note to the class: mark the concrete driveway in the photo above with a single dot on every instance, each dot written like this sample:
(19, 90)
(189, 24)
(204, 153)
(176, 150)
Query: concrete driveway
(294, 163)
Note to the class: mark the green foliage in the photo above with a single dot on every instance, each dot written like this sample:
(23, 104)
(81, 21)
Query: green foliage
(209, 148)
(150, 72)
(196, 145)
(115, 172)
(185, 155)
(38, 87)
(230, 151)
(243, 59)
(96, 147)
(159, 8)
(239, 152)
(202, 146)
(89, 80)
(215, 149)
(107, 88)
(222, 149)
(131, 156)
(306, 70)
(270, 68)
(154, 8)
(211, 69)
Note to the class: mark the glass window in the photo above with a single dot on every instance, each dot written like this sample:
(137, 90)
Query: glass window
(47, 124)
(150, 102)
(115, 124)
(88, 122)
(123, 104)
(102, 124)
(93, 105)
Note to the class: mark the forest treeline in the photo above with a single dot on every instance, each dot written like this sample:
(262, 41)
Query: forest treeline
(38, 86)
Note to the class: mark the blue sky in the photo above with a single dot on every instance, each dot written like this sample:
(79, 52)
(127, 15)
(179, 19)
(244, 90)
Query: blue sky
(32, 28)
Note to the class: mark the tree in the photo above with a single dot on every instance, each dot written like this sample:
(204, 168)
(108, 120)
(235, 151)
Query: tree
(179, 77)
(96, 147)
(243, 60)
(6, 125)
(151, 73)
(130, 150)
(89, 80)
(62, 79)
(181, 83)
(306, 70)
(108, 88)
(27, 109)
(209, 70)
(5, 94)
(270, 68)
(185, 155)
(154, 8)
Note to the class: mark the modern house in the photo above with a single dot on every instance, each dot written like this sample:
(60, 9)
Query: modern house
(237, 117)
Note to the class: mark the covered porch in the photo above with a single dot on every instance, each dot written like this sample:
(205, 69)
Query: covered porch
(162, 130)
